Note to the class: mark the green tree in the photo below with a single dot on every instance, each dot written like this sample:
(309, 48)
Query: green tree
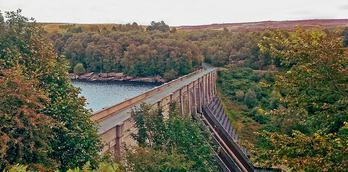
(148, 159)
(170, 75)
(178, 137)
(102, 167)
(74, 141)
(250, 99)
(314, 102)
(160, 26)
(79, 68)
(345, 37)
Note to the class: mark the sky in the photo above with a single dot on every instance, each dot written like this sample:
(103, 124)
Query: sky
(176, 12)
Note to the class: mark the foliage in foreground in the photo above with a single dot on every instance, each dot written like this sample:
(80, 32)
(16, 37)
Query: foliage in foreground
(43, 121)
(179, 142)
(311, 120)
(102, 167)
(149, 159)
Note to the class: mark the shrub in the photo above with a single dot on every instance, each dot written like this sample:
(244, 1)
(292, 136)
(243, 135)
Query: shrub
(79, 69)
(250, 99)
(239, 95)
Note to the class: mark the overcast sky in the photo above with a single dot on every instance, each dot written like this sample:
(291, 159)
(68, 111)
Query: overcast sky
(176, 12)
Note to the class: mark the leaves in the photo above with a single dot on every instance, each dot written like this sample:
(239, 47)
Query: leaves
(48, 125)
(314, 89)
(24, 131)
(177, 143)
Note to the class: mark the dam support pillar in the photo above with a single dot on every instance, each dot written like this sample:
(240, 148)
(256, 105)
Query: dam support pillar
(118, 141)
(200, 94)
(189, 108)
(209, 87)
(194, 106)
(181, 98)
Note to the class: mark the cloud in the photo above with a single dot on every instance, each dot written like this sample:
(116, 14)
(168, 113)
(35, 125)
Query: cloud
(344, 7)
(301, 12)
(306, 14)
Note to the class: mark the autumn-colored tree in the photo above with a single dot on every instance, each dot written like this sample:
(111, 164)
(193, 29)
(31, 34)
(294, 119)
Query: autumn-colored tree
(24, 131)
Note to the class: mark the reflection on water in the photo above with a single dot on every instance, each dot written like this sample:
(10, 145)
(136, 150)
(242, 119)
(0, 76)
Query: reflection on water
(104, 94)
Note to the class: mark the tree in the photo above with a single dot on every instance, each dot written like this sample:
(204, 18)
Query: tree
(250, 99)
(345, 37)
(148, 159)
(160, 26)
(79, 69)
(314, 104)
(179, 138)
(173, 30)
(24, 131)
(316, 152)
(102, 167)
(170, 75)
(74, 140)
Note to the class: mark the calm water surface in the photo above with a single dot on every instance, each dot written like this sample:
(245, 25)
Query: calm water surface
(104, 94)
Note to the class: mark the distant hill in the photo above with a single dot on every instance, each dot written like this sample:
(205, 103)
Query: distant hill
(259, 26)
(57, 27)
(236, 27)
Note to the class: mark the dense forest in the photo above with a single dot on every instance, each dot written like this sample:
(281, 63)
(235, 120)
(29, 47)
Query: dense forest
(155, 50)
(129, 49)
(286, 93)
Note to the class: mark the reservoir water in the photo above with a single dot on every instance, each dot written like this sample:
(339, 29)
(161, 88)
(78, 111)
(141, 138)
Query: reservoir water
(104, 94)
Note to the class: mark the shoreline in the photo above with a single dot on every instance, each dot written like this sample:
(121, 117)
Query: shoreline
(116, 78)
(118, 82)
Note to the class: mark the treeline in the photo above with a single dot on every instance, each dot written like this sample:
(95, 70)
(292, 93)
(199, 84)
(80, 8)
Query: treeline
(156, 50)
(134, 50)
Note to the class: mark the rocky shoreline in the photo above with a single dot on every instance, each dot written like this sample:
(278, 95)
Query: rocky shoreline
(113, 76)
